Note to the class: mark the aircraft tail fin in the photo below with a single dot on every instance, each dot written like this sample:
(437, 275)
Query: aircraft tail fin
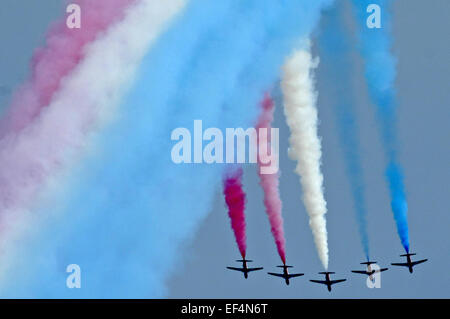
(326, 272)
(406, 255)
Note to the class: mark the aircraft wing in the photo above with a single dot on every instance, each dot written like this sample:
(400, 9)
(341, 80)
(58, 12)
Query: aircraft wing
(295, 275)
(337, 281)
(419, 262)
(323, 282)
(360, 272)
(237, 269)
(400, 264)
(275, 274)
(253, 269)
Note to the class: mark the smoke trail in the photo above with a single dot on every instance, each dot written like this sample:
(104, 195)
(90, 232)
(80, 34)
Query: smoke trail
(235, 199)
(270, 182)
(63, 51)
(305, 147)
(335, 58)
(54, 140)
(380, 74)
(131, 208)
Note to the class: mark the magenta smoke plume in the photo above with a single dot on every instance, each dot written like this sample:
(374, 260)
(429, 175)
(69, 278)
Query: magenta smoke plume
(270, 182)
(235, 199)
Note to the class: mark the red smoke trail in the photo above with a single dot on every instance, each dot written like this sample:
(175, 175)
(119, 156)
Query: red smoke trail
(235, 199)
(270, 182)
(51, 64)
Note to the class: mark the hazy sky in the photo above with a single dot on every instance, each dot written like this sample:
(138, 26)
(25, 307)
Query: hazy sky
(422, 46)
(423, 116)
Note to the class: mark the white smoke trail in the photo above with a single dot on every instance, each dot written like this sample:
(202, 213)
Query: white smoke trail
(86, 101)
(305, 147)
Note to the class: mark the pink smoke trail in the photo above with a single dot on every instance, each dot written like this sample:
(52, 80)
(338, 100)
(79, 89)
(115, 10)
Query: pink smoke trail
(51, 64)
(235, 199)
(38, 156)
(270, 182)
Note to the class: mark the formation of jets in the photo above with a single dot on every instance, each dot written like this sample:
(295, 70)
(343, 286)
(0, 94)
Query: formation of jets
(370, 270)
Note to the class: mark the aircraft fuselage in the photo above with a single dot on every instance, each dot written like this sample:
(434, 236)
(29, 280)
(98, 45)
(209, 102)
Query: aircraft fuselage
(409, 264)
(244, 265)
(327, 279)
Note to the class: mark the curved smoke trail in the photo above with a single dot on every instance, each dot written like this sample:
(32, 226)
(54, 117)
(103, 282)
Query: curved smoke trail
(270, 182)
(64, 49)
(380, 74)
(131, 208)
(235, 199)
(301, 115)
(335, 58)
(39, 152)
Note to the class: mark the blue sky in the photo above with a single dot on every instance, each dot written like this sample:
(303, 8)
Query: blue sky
(423, 114)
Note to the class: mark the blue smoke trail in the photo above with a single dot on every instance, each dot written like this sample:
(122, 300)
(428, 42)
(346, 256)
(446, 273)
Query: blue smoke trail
(335, 58)
(380, 72)
(129, 209)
